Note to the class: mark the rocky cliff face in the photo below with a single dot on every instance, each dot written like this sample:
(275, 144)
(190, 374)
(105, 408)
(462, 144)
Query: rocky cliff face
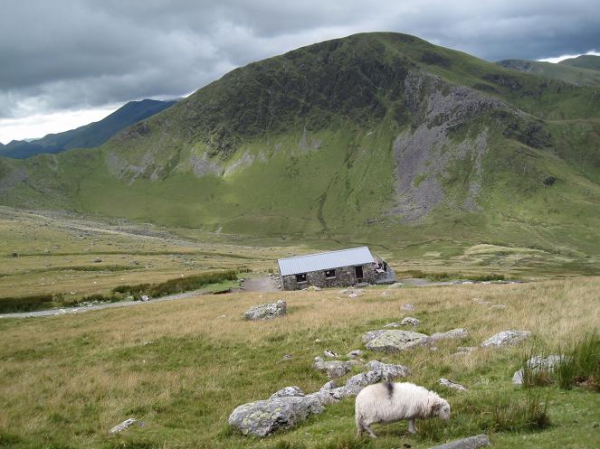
(425, 152)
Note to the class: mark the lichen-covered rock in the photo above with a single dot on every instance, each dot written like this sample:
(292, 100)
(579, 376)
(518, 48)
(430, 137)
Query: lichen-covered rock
(450, 335)
(448, 383)
(506, 338)
(288, 392)
(410, 321)
(387, 371)
(331, 385)
(267, 311)
(467, 443)
(364, 379)
(333, 368)
(396, 340)
(262, 418)
(372, 335)
(538, 365)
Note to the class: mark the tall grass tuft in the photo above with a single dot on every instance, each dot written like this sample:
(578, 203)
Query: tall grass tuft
(529, 413)
(581, 365)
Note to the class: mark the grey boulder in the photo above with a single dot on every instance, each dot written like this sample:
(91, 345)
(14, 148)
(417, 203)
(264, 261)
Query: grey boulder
(538, 365)
(506, 338)
(396, 340)
(410, 321)
(267, 311)
(467, 443)
(262, 418)
(333, 368)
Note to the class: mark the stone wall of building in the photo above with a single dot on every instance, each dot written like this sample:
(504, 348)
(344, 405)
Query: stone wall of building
(344, 277)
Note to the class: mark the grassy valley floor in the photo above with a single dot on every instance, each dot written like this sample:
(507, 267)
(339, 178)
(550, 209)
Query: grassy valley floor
(182, 367)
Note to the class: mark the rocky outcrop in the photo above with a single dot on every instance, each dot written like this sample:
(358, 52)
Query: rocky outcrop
(448, 383)
(421, 153)
(262, 418)
(288, 392)
(334, 368)
(410, 321)
(537, 365)
(453, 334)
(388, 372)
(396, 340)
(267, 311)
(506, 338)
(467, 443)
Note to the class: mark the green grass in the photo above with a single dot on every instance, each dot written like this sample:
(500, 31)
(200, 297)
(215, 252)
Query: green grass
(293, 150)
(181, 367)
(212, 281)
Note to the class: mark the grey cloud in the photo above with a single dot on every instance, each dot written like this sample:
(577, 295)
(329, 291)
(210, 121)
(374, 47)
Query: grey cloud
(66, 54)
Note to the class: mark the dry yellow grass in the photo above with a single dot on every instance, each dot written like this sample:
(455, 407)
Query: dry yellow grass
(89, 372)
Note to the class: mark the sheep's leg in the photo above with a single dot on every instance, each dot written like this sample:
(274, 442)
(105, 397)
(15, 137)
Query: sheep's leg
(411, 426)
(360, 430)
(369, 430)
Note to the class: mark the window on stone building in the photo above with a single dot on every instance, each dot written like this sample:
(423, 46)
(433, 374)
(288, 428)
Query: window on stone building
(301, 277)
(329, 274)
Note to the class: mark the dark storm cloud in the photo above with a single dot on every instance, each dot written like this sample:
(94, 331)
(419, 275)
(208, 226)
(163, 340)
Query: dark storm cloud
(70, 54)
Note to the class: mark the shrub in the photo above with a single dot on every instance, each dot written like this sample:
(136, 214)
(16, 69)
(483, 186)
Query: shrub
(26, 303)
(177, 285)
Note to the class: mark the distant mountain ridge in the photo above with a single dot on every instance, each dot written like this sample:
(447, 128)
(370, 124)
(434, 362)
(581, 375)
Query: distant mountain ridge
(377, 137)
(88, 136)
(591, 62)
(581, 71)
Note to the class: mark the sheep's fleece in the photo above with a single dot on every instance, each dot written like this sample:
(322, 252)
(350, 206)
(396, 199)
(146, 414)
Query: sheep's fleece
(388, 402)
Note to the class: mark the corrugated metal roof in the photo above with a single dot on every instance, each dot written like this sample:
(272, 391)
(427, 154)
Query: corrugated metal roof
(325, 261)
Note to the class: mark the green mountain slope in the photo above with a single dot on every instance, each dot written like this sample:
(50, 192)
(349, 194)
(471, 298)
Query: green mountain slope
(88, 136)
(372, 138)
(578, 72)
(591, 62)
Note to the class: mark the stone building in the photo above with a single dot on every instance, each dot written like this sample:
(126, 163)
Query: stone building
(334, 269)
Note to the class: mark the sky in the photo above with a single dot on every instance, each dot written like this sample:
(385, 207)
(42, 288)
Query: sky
(66, 63)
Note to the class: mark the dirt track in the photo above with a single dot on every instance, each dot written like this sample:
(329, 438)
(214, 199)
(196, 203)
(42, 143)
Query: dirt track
(264, 284)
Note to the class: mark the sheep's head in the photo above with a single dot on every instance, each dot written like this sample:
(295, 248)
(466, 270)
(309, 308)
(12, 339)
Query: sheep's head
(442, 409)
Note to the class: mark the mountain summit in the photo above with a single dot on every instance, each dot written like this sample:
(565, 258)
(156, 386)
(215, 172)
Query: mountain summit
(376, 135)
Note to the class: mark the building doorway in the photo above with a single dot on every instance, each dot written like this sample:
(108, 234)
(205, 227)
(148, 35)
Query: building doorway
(359, 273)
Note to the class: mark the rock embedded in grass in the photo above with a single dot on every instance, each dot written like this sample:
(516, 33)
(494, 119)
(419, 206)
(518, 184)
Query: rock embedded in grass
(262, 418)
(453, 334)
(410, 321)
(334, 368)
(396, 340)
(537, 365)
(506, 338)
(267, 311)
(388, 371)
(467, 443)
(288, 392)
(448, 383)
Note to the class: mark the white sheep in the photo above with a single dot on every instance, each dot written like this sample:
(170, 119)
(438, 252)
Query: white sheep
(388, 402)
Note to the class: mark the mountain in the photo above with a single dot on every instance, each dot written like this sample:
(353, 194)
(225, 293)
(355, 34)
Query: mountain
(88, 136)
(591, 62)
(377, 137)
(578, 72)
